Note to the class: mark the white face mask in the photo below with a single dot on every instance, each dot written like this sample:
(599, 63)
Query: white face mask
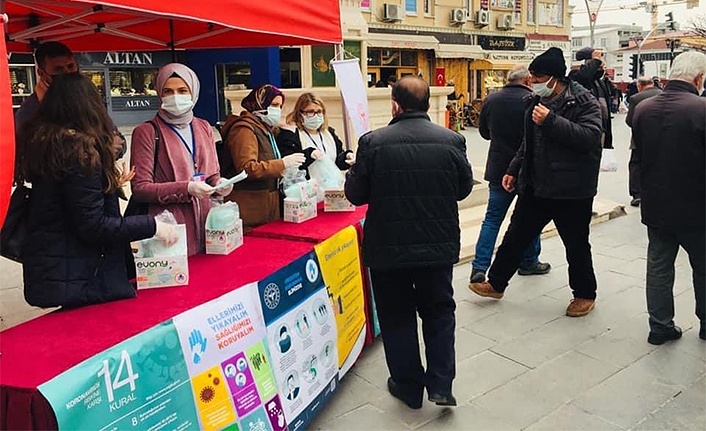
(178, 104)
(314, 122)
(542, 89)
(273, 116)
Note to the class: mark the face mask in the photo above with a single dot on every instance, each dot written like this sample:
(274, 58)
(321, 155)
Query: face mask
(314, 122)
(542, 89)
(177, 104)
(273, 116)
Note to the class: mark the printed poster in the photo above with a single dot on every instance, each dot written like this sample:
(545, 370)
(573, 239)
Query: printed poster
(227, 361)
(355, 94)
(339, 257)
(141, 383)
(301, 336)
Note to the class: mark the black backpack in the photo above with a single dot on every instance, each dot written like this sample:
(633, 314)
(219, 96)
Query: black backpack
(225, 161)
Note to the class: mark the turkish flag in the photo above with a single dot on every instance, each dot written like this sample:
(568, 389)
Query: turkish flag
(440, 77)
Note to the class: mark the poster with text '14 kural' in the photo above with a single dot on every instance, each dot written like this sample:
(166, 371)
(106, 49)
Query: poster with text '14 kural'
(301, 334)
(208, 368)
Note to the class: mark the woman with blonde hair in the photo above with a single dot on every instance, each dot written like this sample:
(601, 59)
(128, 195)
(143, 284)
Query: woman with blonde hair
(307, 131)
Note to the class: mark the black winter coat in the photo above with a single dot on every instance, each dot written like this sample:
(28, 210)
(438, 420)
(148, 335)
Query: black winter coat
(564, 162)
(411, 173)
(501, 121)
(76, 250)
(288, 143)
(586, 76)
(669, 131)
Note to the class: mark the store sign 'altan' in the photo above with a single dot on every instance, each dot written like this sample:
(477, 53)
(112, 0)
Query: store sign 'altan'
(137, 58)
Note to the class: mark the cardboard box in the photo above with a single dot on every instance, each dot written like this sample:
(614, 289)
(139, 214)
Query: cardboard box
(301, 210)
(224, 241)
(335, 201)
(162, 267)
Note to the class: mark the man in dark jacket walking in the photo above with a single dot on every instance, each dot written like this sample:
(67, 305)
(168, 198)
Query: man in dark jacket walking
(411, 174)
(556, 172)
(501, 120)
(646, 89)
(669, 131)
(590, 75)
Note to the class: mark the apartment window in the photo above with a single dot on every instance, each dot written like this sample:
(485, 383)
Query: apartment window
(604, 42)
(427, 7)
(531, 11)
(410, 6)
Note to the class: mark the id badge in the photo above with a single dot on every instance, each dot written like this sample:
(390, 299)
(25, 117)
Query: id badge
(199, 177)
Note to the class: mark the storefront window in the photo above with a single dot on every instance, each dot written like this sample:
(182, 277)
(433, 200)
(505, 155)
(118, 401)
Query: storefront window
(290, 66)
(390, 57)
(97, 77)
(133, 82)
(374, 57)
(409, 58)
(22, 83)
(232, 76)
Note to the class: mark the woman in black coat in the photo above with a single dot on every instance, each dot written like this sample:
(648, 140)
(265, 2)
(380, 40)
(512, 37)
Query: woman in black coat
(77, 244)
(307, 131)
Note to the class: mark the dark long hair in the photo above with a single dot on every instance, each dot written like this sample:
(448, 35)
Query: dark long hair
(71, 130)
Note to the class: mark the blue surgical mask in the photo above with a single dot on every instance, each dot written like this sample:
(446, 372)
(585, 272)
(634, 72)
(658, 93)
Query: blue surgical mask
(314, 122)
(273, 116)
(542, 89)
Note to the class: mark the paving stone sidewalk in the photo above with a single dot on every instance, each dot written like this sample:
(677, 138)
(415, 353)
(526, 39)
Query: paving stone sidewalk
(521, 364)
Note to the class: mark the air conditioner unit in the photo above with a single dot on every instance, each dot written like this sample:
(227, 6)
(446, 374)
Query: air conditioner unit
(482, 18)
(392, 12)
(506, 21)
(459, 16)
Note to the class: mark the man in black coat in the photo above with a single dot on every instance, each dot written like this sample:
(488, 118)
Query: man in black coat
(412, 174)
(646, 89)
(590, 75)
(501, 121)
(556, 173)
(669, 131)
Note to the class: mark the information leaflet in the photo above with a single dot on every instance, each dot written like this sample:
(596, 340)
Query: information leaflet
(340, 266)
(301, 333)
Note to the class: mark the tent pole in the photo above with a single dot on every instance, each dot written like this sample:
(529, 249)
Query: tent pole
(339, 54)
(171, 40)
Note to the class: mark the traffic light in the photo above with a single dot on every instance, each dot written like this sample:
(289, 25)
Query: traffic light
(632, 72)
(670, 21)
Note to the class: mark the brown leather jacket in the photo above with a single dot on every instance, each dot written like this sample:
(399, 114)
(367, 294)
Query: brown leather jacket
(251, 149)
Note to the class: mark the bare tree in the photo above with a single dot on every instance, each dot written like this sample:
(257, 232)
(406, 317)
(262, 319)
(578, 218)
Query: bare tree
(697, 26)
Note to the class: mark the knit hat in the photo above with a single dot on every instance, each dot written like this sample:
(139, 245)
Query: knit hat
(584, 53)
(550, 62)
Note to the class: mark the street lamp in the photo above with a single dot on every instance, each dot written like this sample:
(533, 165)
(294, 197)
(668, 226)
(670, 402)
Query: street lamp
(592, 17)
(672, 44)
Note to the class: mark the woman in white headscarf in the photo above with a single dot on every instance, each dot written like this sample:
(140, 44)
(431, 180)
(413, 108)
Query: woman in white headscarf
(176, 166)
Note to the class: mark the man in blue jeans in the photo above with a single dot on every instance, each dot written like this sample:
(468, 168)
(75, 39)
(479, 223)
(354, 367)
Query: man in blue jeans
(501, 122)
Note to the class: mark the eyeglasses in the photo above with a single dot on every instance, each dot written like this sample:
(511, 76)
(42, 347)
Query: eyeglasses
(312, 113)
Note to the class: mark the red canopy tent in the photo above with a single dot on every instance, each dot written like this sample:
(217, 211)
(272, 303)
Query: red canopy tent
(142, 25)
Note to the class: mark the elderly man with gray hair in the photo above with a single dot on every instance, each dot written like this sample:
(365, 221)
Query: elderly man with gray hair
(669, 131)
(501, 122)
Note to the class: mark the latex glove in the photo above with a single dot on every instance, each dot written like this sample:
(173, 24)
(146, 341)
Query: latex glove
(295, 159)
(224, 191)
(200, 189)
(316, 155)
(350, 159)
(166, 233)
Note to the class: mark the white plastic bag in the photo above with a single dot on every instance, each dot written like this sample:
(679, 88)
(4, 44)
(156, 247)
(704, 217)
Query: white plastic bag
(609, 163)
(327, 175)
(222, 215)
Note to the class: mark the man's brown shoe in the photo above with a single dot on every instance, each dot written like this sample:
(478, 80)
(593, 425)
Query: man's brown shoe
(580, 307)
(485, 289)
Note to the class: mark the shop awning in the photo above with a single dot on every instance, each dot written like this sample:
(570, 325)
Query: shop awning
(483, 64)
(402, 41)
(447, 50)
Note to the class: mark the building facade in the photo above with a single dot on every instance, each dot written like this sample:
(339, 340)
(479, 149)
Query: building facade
(612, 39)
